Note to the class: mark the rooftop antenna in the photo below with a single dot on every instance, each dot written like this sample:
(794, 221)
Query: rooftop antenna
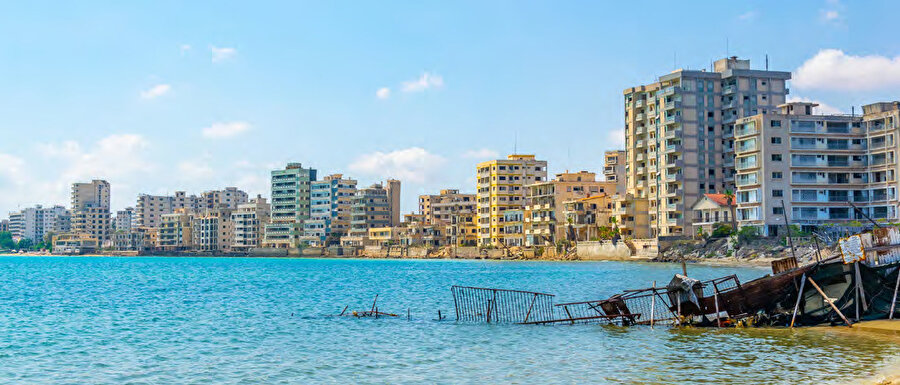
(516, 143)
(767, 62)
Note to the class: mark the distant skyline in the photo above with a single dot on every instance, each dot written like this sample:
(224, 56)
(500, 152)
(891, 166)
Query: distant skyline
(165, 96)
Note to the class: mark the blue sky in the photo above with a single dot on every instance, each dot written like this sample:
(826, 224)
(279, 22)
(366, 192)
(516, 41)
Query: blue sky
(176, 95)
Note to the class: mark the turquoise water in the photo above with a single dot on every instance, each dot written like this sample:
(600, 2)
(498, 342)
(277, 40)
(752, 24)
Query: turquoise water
(246, 320)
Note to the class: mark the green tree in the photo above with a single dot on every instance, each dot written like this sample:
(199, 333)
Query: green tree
(6, 241)
(25, 244)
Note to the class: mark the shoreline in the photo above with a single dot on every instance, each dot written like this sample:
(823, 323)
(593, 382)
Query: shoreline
(723, 262)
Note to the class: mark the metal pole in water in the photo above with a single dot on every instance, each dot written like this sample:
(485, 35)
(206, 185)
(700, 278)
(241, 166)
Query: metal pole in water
(799, 297)
(653, 304)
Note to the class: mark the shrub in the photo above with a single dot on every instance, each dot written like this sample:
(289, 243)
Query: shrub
(722, 230)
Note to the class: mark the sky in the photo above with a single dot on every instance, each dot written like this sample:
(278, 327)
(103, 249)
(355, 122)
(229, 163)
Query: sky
(162, 96)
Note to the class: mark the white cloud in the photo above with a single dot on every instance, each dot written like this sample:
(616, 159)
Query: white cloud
(195, 169)
(822, 109)
(225, 129)
(830, 15)
(615, 139)
(156, 91)
(482, 154)
(413, 164)
(383, 93)
(749, 15)
(832, 69)
(222, 53)
(184, 48)
(424, 82)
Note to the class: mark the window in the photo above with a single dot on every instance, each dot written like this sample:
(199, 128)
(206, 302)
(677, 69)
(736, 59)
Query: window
(776, 157)
(776, 175)
(775, 123)
(778, 210)
(777, 193)
(776, 140)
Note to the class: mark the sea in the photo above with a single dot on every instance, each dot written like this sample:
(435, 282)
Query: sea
(162, 320)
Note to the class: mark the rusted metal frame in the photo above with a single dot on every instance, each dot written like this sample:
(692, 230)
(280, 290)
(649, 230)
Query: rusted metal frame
(894, 301)
(859, 287)
(455, 304)
(799, 298)
(566, 308)
(716, 300)
(653, 306)
(509, 290)
(829, 301)
(607, 317)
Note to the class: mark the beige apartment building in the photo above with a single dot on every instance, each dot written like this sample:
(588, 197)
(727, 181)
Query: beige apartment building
(679, 135)
(545, 222)
(90, 210)
(175, 232)
(500, 186)
(371, 207)
(213, 230)
(614, 170)
(632, 216)
(811, 167)
(249, 223)
(585, 216)
(229, 198)
(441, 208)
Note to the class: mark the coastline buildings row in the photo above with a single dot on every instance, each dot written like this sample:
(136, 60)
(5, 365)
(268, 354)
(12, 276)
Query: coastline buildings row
(690, 137)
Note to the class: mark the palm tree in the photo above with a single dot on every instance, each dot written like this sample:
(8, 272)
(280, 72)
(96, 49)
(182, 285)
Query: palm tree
(729, 195)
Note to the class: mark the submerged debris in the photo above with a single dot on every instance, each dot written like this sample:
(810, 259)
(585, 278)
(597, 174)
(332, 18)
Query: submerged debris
(862, 286)
(373, 312)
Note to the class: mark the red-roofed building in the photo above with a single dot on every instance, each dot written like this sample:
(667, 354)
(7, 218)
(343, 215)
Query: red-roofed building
(709, 210)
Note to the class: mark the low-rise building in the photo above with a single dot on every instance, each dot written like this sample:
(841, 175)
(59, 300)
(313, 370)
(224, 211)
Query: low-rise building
(585, 217)
(711, 210)
(383, 236)
(632, 216)
(544, 220)
(75, 243)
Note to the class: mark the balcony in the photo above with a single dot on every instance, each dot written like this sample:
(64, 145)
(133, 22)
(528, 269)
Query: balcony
(730, 104)
(674, 148)
(674, 133)
(672, 119)
(729, 89)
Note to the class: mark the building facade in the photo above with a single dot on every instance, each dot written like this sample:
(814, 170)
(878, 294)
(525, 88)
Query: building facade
(330, 206)
(212, 230)
(37, 223)
(371, 208)
(500, 186)
(290, 205)
(124, 219)
(679, 135)
(90, 210)
(614, 170)
(807, 168)
(545, 222)
(175, 232)
(249, 224)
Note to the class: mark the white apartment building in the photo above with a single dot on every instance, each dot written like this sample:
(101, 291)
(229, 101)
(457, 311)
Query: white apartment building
(811, 167)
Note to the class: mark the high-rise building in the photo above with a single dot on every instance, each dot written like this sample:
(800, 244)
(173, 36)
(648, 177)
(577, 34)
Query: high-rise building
(90, 210)
(36, 223)
(150, 208)
(545, 222)
(392, 187)
(175, 232)
(212, 230)
(614, 170)
(124, 219)
(249, 223)
(371, 208)
(4, 226)
(679, 135)
(500, 186)
(808, 168)
(228, 198)
(330, 206)
(290, 205)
